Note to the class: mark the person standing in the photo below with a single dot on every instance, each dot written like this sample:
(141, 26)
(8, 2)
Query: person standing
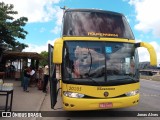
(46, 77)
(26, 79)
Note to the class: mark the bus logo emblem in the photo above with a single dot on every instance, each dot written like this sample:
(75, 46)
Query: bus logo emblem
(106, 94)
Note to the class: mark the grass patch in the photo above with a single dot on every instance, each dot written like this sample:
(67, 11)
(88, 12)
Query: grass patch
(154, 77)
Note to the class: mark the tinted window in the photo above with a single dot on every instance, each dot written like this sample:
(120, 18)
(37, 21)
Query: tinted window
(120, 60)
(84, 59)
(104, 24)
(99, 62)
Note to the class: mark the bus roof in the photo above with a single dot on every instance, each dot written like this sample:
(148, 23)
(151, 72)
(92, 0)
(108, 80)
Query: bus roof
(93, 10)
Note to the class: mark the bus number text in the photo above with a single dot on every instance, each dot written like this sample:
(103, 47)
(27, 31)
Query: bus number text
(74, 88)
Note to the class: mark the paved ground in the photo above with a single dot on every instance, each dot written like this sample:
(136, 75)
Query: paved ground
(36, 100)
(24, 101)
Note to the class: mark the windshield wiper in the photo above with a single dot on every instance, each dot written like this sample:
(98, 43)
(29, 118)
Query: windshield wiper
(94, 81)
(131, 78)
(125, 78)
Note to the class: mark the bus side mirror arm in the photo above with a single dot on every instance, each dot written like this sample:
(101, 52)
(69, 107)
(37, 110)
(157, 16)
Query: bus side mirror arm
(153, 56)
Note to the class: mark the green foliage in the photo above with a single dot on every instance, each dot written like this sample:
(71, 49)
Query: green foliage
(10, 28)
(44, 61)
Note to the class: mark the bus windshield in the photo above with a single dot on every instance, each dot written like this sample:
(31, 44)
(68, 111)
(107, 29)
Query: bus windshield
(96, 23)
(99, 61)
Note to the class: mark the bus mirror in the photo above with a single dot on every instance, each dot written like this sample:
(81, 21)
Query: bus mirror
(58, 45)
(153, 56)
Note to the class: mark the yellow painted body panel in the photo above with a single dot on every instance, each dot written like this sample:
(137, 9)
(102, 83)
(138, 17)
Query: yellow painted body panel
(93, 104)
(97, 96)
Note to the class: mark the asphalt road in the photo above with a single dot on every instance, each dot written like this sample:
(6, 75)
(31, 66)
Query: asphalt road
(149, 101)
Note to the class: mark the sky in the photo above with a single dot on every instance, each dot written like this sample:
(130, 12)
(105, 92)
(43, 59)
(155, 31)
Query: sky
(45, 20)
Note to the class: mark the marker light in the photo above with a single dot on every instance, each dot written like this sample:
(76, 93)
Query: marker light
(132, 93)
(73, 95)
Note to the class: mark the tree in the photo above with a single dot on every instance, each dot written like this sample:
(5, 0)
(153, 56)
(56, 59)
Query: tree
(44, 61)
(11, 29)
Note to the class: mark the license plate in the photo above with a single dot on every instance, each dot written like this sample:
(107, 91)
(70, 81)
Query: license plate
(106, 105)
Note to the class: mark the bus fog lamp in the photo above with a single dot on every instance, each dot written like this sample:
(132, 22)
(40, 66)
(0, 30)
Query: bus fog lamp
(132, 93)
(73, 95)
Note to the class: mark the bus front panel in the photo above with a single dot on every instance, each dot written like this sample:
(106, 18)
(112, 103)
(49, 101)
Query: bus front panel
(83, 97)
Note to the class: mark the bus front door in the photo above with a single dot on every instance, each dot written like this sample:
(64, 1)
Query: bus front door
(52, 77)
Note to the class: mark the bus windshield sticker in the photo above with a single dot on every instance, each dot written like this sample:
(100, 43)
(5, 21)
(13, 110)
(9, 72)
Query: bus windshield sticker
(102, 34)
(108, 49)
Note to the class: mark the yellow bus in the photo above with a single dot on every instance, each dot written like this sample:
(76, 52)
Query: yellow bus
(98, 60)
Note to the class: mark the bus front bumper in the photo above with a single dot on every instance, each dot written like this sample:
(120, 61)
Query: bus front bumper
(75, 104)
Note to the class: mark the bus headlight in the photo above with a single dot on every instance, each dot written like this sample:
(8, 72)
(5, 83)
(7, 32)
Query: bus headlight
(73, 95)
(132, 93)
